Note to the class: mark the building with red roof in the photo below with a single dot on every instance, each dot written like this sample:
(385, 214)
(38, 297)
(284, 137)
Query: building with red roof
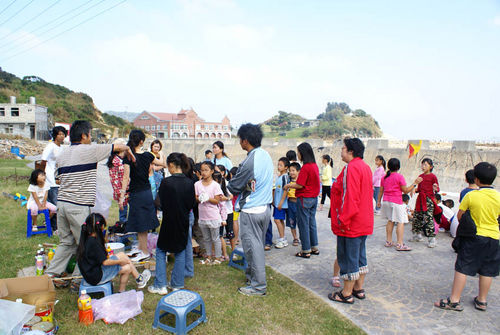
(185, 124)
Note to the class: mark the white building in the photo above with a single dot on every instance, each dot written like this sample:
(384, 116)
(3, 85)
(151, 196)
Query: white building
(27, 120)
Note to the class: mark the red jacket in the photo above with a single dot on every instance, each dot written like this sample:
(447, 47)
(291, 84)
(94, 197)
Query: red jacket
(352, 203)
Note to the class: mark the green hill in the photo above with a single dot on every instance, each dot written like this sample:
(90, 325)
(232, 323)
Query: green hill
(63, 104)
(338, 120)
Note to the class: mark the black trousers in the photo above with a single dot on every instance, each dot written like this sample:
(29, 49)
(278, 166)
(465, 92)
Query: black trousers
(325, 191)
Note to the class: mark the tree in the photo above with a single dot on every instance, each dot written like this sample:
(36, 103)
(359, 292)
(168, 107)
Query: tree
(359, 113)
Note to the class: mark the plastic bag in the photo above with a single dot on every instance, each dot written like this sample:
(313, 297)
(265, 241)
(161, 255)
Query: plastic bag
(118, 307)
(102, 205)
(152, 241)
(14, 315)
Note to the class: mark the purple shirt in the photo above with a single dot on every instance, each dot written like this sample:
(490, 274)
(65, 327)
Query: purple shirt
(378, 175)
(392, 188)
(207, 210)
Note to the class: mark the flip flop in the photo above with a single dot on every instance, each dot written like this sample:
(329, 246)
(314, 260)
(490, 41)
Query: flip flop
(338, 295)
(303, 254)
(403, 247)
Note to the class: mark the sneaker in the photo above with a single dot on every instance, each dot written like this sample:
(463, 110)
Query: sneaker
(432, 242)
(377, 212)
(34, 228)
(281, 244)
(249, 291)
(140, 257)
(133, 251)
(143, 279)
(173, 289)
(155, 290)
(442, 230)
(416, 238)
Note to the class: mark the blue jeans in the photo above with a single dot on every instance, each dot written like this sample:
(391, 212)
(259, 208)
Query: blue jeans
(306, 220)
(376, 191)
(177, 276)
(122, 214)
(351, 255)
(269, 234)
(189, 269)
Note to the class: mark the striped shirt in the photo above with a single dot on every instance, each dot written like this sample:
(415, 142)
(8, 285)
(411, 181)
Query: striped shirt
(77, 171)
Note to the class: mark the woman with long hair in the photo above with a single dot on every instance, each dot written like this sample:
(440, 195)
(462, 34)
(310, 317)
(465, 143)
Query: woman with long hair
(307, 190)
(220, 156)
(142, 213)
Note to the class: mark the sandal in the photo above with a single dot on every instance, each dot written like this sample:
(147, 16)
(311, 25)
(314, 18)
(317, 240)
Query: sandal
(295, 242)
(205, 261)
(216, 262)
(403, 247)
(267, 247)
(447, 304)
(360, 294)
(303, 254)
(480, 306)
(315, 252)
(339, 297)
(335, 281)
(388, 244)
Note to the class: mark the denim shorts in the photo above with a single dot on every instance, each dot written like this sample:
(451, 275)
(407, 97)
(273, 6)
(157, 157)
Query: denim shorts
(291, 215)
(109, 271)
(351, 256)
(279, 214)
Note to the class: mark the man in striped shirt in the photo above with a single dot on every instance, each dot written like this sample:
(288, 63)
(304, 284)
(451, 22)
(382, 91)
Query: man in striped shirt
(77, 172)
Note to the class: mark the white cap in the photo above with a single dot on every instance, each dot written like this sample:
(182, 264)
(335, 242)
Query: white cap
(83, 292)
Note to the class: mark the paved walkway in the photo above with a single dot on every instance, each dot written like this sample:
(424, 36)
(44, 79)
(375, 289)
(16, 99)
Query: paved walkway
(401, 286)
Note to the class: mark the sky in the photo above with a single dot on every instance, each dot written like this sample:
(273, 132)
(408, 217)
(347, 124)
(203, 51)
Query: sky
(423, 69)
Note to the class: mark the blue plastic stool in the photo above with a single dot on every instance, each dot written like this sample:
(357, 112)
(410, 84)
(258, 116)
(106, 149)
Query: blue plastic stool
(240, 263)
(106, 288)
(48, 228)
(180, 303)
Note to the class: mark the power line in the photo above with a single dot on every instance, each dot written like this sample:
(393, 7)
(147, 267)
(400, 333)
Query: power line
(44, 25)
(65, 31)
(19, 11)
(30, 20)
(3, 10)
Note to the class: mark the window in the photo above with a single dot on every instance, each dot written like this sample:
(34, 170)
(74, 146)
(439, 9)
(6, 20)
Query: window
(225, 127)
(9, 129)
(144, 117)
(147, 127)
(14, 111)
(165, 127)
(2, 111)
(153, 128)
(142, 127)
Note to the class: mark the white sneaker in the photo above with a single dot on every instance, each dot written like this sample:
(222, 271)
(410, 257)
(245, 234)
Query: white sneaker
(432, 242)
(143, 279)
(416, 238)
(133, 251)
(155, 290)
(140, 257)
(281, 244)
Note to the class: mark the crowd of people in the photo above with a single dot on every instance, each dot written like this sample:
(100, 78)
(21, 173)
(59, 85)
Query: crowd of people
(213, 201)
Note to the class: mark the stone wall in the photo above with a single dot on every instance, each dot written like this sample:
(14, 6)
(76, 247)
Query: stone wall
(449, 165)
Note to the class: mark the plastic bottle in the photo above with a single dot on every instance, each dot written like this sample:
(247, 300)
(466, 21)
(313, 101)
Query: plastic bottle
(44, 257)
(50, 255)
(85, 314)
(39, 265)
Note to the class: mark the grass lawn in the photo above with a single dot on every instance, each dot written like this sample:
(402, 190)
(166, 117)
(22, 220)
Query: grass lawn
(287, 308)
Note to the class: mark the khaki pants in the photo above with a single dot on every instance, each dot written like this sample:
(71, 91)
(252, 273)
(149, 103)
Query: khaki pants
(70, 218)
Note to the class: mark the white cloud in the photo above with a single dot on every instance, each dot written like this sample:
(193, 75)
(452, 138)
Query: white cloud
(496, 20)
(238, 35)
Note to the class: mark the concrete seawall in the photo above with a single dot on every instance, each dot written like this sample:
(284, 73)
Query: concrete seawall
(449, 164)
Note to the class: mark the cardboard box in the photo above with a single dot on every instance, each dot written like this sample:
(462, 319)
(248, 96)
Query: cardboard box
(38, 291)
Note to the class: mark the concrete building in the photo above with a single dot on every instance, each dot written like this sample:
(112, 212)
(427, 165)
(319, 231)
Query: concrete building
(185, 124)
(27, 120)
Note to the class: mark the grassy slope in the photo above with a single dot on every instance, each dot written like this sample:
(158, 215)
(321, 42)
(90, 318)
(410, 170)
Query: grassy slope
(287, 309)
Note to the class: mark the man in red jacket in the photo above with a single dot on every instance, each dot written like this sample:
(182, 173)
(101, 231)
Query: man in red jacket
(352, 220)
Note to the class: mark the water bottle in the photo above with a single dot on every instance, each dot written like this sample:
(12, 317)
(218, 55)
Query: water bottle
(39, 265)
(85, 314)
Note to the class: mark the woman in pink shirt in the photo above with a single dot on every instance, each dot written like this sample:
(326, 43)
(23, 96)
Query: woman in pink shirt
(393, 208)
(378, 174)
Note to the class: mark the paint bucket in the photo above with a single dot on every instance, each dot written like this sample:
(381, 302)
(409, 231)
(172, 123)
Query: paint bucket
(116, 247)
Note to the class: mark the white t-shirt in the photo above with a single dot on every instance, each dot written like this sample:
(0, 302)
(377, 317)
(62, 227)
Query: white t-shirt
(40, 193)
(50, 154)
(229, 204)
(447, 212)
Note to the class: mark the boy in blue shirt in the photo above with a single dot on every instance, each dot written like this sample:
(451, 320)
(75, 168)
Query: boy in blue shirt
(280, 202)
